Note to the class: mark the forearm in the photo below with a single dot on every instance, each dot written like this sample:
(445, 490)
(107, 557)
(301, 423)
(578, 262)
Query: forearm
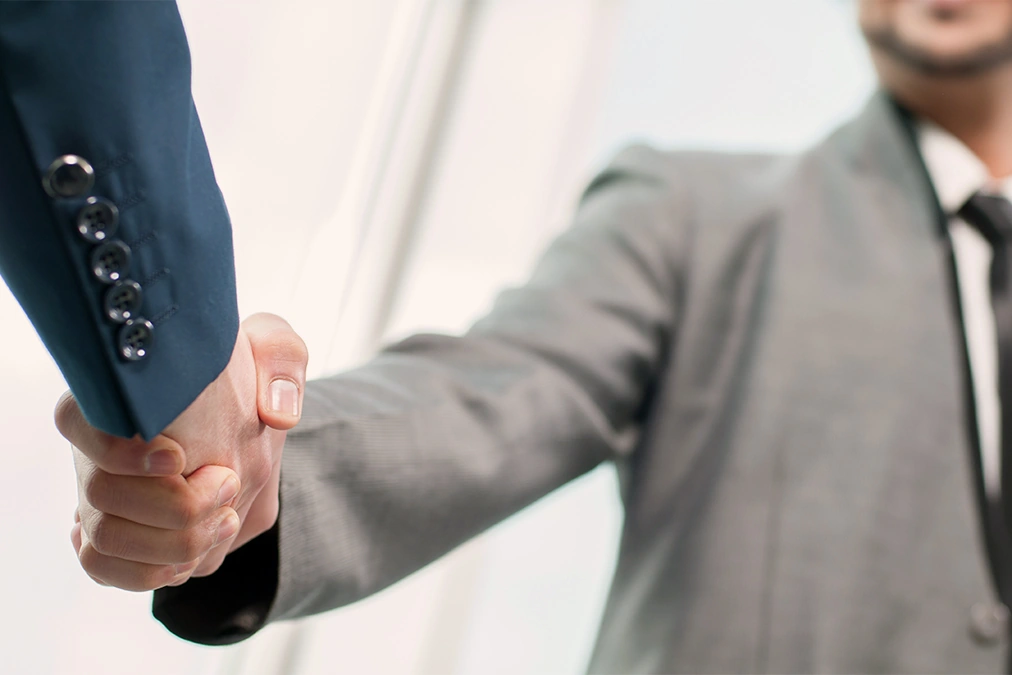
(109, 83)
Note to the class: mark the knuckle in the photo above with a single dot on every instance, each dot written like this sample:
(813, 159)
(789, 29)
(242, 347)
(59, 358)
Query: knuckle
(111, 453)
(300, 352)
(183, 508)
(97, 566)
(104, 537)
(105, 453)
(65, 414)
(99, 491)
(90, 560)
(153, 577)
(119, 455)
(260, 473)
(135, 577)
(193, 544)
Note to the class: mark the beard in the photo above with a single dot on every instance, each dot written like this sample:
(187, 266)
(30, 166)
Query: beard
(976, 62)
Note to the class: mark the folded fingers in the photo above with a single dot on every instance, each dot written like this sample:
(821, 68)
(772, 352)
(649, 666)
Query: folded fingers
(170, 502)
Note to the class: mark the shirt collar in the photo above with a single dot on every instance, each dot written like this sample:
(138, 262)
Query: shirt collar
(955, 171)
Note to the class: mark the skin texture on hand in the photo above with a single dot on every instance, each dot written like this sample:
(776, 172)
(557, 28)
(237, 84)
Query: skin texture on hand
(155, 514)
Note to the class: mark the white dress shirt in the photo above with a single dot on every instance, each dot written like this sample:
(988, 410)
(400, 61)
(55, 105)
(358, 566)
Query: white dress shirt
(957, 174)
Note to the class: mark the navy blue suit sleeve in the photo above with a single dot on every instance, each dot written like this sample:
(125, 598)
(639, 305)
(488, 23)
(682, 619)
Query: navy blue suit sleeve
(107, 85)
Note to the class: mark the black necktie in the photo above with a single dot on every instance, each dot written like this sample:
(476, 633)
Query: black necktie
(992, 216)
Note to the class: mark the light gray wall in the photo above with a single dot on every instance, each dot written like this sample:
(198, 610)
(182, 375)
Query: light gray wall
(734, 74)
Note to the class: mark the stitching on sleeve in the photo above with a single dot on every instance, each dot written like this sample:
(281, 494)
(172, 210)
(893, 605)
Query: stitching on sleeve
(165, 316)
(113, 163)
(131, 201)
(153, 279)
(146, 239)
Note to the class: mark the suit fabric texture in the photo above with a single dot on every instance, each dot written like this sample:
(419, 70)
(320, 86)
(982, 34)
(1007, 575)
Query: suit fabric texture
(777, 336)
(108, 84)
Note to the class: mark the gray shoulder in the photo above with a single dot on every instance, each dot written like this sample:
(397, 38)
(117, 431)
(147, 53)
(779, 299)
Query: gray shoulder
(689, 173)
(702, 204)
(706, 188)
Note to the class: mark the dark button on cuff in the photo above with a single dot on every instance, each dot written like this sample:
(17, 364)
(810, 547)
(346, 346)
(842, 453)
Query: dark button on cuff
(135, 338)
(98, 220)
(123, 301)
(110, 262)
(68, 176)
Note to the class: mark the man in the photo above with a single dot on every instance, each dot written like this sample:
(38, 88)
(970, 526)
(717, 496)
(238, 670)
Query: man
(808, 357)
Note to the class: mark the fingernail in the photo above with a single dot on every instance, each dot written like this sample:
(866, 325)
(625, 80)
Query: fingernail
(283, 397)
(185, 568)
(229, 489)
(228, 528)
(163, 463)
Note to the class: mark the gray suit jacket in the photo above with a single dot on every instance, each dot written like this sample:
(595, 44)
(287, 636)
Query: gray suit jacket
(776, 333)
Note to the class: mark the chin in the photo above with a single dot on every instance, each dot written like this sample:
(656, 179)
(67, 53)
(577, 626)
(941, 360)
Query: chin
(943, 37)
(952, 29)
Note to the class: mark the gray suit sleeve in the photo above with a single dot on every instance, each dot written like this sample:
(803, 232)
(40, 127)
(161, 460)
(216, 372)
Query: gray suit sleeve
(438, 438)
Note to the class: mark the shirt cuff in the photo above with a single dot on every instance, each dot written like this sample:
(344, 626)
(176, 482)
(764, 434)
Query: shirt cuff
(230, 605)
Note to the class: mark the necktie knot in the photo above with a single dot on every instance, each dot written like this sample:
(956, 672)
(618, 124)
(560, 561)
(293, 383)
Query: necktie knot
(991, 214)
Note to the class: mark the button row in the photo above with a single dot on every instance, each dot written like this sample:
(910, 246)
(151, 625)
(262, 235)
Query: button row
(70, 177)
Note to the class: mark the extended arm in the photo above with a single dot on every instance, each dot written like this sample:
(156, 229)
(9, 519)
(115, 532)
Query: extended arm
(438, 438)
(113, 233)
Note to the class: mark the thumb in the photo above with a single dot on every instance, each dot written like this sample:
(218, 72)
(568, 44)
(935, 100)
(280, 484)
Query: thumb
(280, 356)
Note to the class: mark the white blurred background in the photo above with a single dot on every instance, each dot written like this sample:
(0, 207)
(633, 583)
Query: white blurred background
(388, 166)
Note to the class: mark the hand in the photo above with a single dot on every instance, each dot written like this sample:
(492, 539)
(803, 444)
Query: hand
(155, 514)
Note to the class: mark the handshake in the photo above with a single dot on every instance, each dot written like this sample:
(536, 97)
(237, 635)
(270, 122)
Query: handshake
(155, 514)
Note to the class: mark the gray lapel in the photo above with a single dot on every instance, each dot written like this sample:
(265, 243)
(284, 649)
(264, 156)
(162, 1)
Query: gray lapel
(888, 167)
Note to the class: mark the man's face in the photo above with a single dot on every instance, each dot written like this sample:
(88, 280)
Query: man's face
(940, 37)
